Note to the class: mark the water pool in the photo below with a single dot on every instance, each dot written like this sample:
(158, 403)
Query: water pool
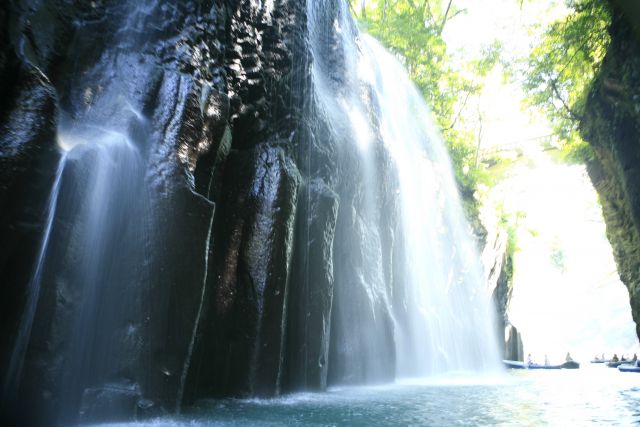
(588, 396)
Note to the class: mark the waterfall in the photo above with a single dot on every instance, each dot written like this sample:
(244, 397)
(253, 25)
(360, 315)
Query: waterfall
(92, 248)
(449, 317)
(33, 291)
(103, 256)
(410, 298)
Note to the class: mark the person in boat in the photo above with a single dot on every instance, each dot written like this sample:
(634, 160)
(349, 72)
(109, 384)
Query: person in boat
(529, 360)
(615, 358)
(635, 358)
(623, 359)
(568, 358)
(546, 360)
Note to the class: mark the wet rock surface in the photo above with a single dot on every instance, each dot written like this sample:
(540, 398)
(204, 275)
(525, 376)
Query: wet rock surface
(210, 97)
(244, 347)
(311, 291)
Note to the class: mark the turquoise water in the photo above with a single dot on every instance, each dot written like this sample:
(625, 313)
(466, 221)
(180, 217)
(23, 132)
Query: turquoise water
(595, 395)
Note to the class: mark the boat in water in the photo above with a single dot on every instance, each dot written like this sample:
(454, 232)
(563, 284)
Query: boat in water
(618, 363)
(626, 367)
(570, 364)
(514, 364)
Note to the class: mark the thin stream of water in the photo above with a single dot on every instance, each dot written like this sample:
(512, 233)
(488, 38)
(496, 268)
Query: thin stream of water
(23, 336)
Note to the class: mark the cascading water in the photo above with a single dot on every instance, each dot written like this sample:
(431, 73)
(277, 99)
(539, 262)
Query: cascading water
(449, 318)
(106, 246)
(92, 257)
(33, 292)
(426, 297)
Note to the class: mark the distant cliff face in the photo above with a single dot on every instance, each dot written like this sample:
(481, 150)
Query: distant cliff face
(611, 125)
(498, 263)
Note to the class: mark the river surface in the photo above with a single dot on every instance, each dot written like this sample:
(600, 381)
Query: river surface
(589, 396)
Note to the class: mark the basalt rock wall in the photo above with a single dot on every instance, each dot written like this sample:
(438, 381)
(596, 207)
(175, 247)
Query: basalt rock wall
(229, 289)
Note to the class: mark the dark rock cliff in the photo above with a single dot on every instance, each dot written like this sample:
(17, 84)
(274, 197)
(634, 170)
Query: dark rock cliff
(611, 125)
(213, 99)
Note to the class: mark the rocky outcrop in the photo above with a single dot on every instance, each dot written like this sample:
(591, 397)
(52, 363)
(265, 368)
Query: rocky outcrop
(498, 262)
(513, 346)
(611, 125)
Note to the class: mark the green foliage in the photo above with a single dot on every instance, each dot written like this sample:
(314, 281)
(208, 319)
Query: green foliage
(414, 33)
(413, 30)
(561, 67)
(496, 168)
(511, 224)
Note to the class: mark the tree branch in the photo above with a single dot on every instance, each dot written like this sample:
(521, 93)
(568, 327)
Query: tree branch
(444, 19)
(355, 14)
(573, 114)
(479, 136)
(455, 120)
(458, 12)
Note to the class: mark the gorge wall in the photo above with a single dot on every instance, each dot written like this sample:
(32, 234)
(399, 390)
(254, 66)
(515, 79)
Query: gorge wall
(611, 125)
(211, 95)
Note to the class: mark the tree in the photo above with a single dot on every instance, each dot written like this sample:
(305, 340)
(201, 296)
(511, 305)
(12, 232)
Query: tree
(560, 69)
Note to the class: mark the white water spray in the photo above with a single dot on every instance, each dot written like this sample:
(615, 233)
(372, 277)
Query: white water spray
(443, 317)
(450, 322)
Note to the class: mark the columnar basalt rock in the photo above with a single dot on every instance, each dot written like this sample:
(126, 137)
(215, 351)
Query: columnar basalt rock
(27, 129)
(311, 298)
(152, 73)
(245, 345)
(212, 95)
(513, 346)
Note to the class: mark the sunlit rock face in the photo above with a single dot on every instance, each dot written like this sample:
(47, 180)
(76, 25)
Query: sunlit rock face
(611, 125)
